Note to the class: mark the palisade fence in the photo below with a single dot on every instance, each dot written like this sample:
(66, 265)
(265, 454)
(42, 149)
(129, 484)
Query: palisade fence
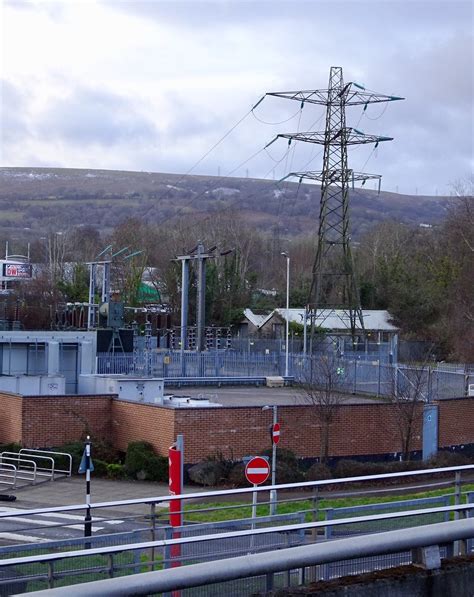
(352, 375)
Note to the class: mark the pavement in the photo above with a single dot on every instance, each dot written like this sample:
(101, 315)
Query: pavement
(70, 491)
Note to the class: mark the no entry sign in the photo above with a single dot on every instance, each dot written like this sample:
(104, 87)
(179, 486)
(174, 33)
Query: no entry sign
(276, 433)
(257, 470)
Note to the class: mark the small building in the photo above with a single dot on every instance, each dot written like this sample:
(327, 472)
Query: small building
(379, 331)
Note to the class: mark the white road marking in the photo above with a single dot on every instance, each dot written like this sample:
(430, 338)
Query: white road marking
(80, 527)
(27, 538)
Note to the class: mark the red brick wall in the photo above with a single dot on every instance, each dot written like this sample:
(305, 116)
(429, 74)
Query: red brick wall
(45, 421)
(55, 420)
(357, 430)
(133, 422)
(10, 418)
(456, 422)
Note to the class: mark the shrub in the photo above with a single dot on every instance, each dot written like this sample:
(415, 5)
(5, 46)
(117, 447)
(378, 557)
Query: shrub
(142, 463)
(286, 473)
(446, 459)
(115, 471)
(318, 472)
(12, 447)
(237, 476)
(208, 472)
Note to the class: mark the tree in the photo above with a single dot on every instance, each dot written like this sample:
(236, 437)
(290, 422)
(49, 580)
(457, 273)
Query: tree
(409, 390)
(323, 390)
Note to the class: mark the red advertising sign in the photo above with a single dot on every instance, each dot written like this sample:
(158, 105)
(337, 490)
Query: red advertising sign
(276, 433)
(257, 470)
(16, 270)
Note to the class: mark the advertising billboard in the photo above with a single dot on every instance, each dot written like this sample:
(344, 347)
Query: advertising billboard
(15, 271)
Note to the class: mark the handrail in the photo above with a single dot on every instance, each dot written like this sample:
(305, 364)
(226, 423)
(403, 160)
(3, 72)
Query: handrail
(12, 466)
(34, 452)
(49, 557)
(162, 581)
(19, 462)
(244, 490)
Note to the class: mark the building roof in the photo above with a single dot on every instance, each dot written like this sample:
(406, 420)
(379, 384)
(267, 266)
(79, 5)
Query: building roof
(255, 319)
(338, 319)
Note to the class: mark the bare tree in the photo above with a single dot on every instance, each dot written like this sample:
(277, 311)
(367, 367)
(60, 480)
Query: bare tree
(323, 389)
(410, 389)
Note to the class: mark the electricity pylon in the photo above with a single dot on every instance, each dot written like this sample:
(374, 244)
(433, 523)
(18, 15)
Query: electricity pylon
(333, 285)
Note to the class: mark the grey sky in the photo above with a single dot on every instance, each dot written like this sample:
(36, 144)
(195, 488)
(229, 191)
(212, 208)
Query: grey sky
(152, 85)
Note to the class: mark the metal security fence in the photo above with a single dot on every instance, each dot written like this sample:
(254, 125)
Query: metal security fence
(355, 376)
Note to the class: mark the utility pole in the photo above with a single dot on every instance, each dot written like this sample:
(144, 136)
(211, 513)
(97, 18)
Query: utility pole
(333, 284)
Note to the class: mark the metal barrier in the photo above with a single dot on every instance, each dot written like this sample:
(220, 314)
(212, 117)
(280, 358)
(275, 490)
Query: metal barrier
(353, 511)
(360, 375)
(6, 478)
(103, 560)
(22, 470)
(50, 455)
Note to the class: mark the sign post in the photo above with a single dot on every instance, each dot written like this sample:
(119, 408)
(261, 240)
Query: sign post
(257, 471)
(87, 467)
(275, 437)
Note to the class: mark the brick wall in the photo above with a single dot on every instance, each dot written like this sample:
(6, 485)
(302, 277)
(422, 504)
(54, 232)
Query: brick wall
(456, 422)
(10, 418)
(55, 420)
(357, 430)
(133, 421)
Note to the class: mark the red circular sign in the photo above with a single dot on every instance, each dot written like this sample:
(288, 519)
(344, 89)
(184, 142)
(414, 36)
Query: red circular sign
(257, 470)
(276, 433)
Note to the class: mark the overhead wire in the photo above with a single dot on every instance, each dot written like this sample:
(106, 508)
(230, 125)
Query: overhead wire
(209, 151)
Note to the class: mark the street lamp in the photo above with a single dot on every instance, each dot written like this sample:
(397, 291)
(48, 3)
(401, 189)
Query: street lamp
(273, 493)
(287, 310)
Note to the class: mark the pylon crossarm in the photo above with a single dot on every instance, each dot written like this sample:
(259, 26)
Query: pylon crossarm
(323, 97)
(351, 137)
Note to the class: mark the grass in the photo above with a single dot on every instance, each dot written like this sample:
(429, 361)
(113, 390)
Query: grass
(244, 510)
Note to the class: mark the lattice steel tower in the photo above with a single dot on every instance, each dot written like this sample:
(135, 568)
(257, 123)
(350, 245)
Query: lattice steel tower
(333, 285)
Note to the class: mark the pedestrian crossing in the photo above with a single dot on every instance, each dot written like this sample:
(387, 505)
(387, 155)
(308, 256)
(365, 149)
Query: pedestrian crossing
(49, 526)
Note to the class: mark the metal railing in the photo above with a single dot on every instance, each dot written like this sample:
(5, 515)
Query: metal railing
(5, 477)
(375, 377)
(45, 569)
(52, 457)
(26, 469)
(52, 567)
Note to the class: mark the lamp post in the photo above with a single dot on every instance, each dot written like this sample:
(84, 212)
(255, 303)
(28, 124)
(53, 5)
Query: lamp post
(287, 311)
(273, 493)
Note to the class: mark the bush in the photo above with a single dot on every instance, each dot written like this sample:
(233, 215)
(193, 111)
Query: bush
(101, 452)
(13, 447)
(142, 463)
(208, 472)
(286, 473)
(318, 472)
(237, 476)
(355, 468)
(446, 459)
(115, 471)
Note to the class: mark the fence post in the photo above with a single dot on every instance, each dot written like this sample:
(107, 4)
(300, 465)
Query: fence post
(378, 376)
(354, 390)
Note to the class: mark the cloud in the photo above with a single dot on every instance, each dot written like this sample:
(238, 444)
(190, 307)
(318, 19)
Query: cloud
(157, 83)
(89, 116)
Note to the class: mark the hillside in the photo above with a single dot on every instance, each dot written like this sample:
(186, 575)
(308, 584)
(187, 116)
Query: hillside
(35, 200)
